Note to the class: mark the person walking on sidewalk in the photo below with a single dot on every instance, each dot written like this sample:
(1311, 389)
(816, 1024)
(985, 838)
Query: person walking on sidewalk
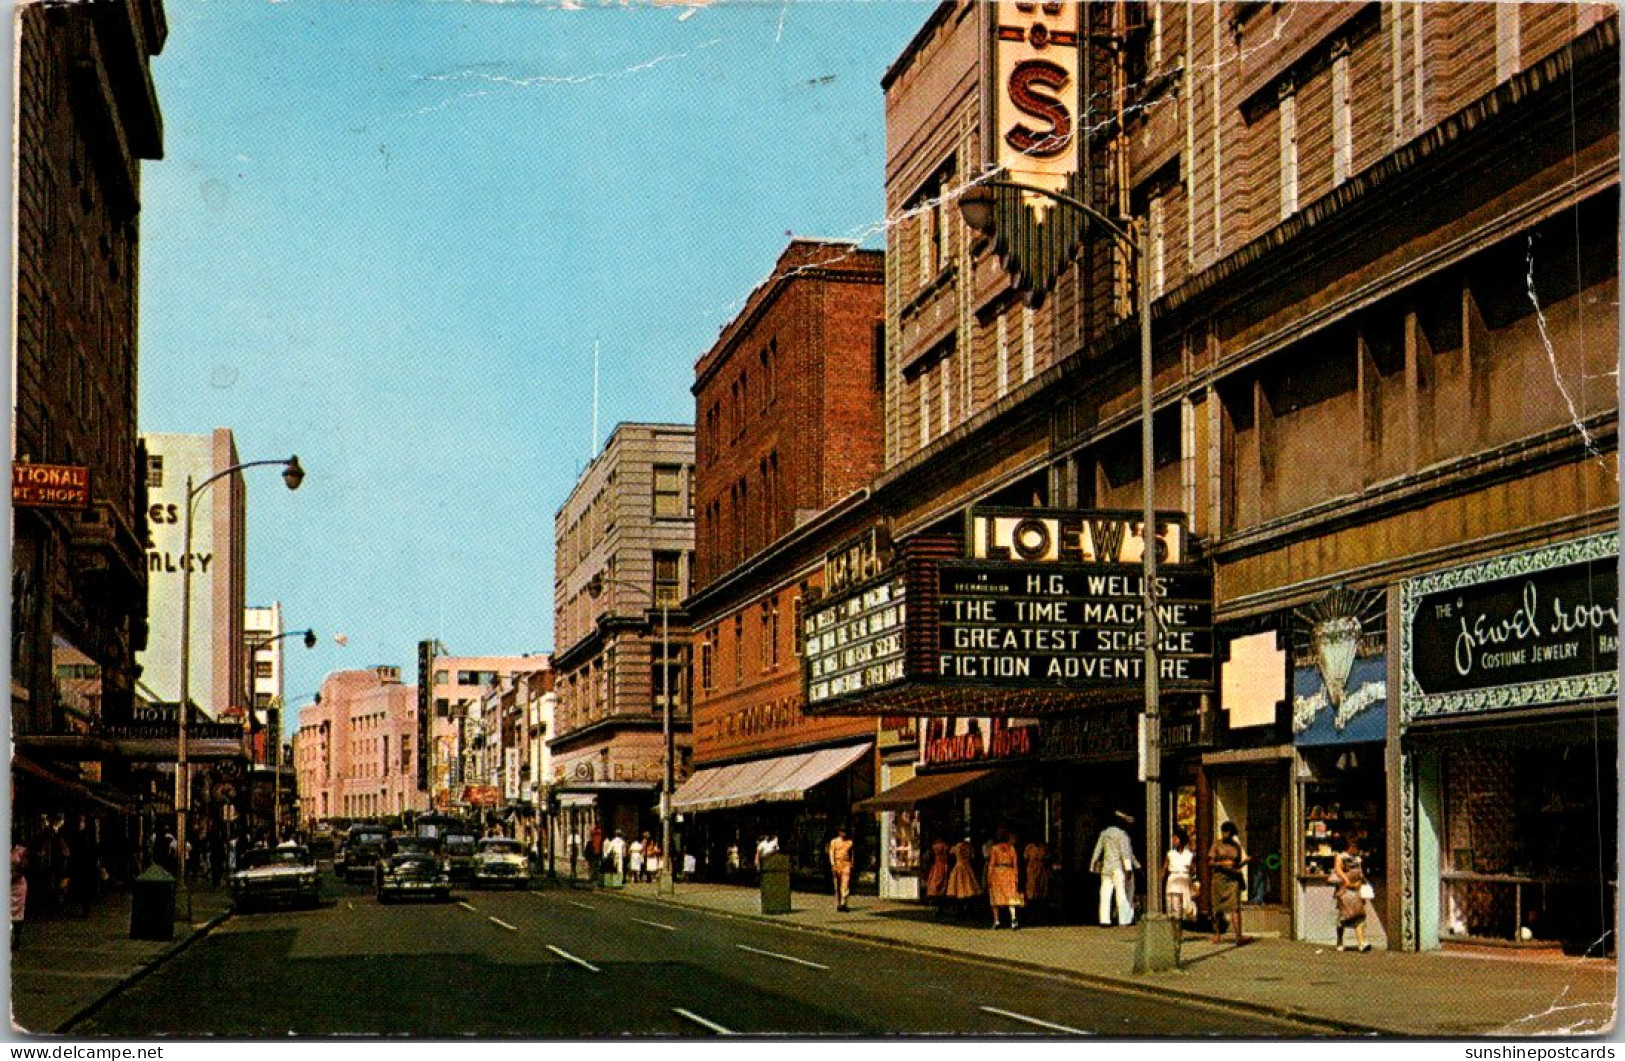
(1227, 858)
(634, 858)
(1036, 888)
(19, 890)
(1003, 877)
(840, 866)
(962, 883)
(1114, 861)
(1180, 887)
(1349, 893)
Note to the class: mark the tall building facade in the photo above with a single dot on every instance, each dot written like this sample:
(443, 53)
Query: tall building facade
(1380, 246)
(86, 116)
(451, 692)
(218, 658)
(623, 559)
(355, 749)
(787, 403)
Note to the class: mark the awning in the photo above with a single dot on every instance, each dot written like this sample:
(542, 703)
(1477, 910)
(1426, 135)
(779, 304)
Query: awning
(919, 788)
(782, 779)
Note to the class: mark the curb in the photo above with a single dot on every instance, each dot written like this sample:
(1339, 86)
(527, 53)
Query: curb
(147, 967)
(1326, 1025)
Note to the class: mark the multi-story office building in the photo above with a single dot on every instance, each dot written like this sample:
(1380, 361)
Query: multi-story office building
(86, 115)
(355, 751)
(623, 559)
(1381, 254)
(788, 407)
(450, 691)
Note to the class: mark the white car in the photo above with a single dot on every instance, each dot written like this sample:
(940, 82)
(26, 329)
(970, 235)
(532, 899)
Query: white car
(275, 875)
(499, 860)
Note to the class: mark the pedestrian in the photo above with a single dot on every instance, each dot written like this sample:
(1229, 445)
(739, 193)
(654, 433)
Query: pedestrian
(1228, 860)
(767, 845)
(634, 858)
(1350, 893)
(1114, 861)
(84, 864)
(936, 878)
(962, 883)
(1036, 886)
(652, 856)
(19, 890)
(615, 860)
(840, 866)
(733, 863)
(1179, 887)
(1003, 877)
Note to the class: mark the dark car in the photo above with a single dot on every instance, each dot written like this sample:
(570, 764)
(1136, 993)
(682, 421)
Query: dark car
(412, 865)
(460, 853)
(275, 875)
(359, 855)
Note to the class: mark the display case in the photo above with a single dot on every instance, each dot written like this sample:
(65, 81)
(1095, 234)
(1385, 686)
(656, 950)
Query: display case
(1331, 813)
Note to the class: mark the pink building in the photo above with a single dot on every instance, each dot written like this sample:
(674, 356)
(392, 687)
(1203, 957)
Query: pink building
(355, 752)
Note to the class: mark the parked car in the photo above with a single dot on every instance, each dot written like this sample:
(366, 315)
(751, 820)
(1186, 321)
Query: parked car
(268, 875)
(412, 865)
(460, 845)
(501, 861)
(359, 855)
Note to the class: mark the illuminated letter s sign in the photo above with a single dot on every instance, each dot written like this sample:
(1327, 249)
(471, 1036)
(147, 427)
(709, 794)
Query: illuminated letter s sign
(1034, 74)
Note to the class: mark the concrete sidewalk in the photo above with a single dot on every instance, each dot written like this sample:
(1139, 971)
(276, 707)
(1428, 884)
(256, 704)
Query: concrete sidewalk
(1441, 994)
(68, 964)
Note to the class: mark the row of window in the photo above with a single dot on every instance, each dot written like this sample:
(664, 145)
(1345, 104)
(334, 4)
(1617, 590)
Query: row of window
(726, 424)
(775, 642)
(748, 520)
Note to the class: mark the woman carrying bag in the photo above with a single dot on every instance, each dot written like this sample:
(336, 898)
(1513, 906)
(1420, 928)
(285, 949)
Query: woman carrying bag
(1350, 892)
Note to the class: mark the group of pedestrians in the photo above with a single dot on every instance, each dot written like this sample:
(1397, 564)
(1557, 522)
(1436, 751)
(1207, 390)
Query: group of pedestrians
(1011, 877)
(643, 859)
(55, 869)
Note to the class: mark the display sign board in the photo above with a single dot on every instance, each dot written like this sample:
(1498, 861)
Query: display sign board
(1072, 625)
(865, 557)
(425, 698)
(958, 742)
(1531, 629)
(855, 644)
(1087, 536)
(50, 485)
(1037, 100)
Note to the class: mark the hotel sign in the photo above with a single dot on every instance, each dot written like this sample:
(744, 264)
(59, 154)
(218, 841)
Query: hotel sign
(1534, 628)
(855, 645)
(1071, 625)
(50, 485)
(1037, 98)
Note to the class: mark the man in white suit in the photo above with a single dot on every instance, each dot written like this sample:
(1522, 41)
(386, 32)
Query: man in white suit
(1114, 861)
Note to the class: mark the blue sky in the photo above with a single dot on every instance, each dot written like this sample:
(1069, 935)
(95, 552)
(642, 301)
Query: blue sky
(386, 236)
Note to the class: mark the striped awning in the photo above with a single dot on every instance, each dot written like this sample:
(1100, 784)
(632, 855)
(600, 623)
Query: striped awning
(785, 778)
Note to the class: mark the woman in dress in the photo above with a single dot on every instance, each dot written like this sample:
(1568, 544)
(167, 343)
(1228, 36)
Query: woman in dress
(1036, 855)
(936, 878)
(962, 882)
(651, 859)
(1180, 889)
(634, 858)
(1348, 881)
(1003, 877)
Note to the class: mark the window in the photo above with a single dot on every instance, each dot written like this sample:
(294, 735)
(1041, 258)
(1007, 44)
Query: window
(764, 638)
(1342, 119)
(263, 668)
(1507, 44)
(772, 633)
(1029, 345)
(1154, 220)
(739, 648)
(668, 491)
(708, 651)
(440, 677)
(155, 472)
(668, 676)
(668, 586)
(1003, 341)
(768, 356)
(1289, 151)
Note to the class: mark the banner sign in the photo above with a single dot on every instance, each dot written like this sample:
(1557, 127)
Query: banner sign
(50, 485)
(1073, 536)
(1077, 626)
(1038, 109)
(1540, 627)
(865, 557)
(969, 741)
(855, 644)
(425, 698)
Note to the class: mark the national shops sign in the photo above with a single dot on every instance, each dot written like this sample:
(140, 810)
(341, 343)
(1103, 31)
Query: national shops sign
(50, 485)
(1525, 630)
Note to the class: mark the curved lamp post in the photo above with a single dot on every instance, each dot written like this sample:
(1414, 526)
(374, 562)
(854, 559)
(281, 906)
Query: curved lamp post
(1156, 949)
(595, 588)
(292, 475)
(309, 637)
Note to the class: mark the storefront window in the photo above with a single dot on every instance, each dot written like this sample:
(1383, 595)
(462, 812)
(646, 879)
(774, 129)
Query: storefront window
(1255, 802)
(903, 843)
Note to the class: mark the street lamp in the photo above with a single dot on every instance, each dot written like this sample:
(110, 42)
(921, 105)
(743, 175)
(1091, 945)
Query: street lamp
(309, 637)
(595, 587)
(292, 475)
(1155, 949)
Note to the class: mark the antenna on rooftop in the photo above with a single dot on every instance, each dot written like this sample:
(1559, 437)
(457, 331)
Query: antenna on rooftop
(592, 450)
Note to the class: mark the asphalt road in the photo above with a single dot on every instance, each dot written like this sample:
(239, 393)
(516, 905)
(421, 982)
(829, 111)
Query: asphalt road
(583, 964)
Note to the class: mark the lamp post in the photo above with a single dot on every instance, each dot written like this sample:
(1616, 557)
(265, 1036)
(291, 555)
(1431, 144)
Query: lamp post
(595, 586)
(276, 755)
(292, 475)
(1155, 949)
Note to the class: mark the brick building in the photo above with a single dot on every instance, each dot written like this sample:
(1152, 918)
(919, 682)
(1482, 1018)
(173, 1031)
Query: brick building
(1383, 264)
(623, 557)
(86, 115)
(787, 403)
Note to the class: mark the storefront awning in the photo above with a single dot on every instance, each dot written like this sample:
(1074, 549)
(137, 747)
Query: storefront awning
(919, 788)
(782, 779)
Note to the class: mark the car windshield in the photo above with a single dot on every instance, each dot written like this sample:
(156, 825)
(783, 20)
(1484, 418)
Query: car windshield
(417, 845)
(368, 838)
(280, 856)
(460, 844)
(501, 847)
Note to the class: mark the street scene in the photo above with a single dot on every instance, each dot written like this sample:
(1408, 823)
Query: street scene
(679, 520)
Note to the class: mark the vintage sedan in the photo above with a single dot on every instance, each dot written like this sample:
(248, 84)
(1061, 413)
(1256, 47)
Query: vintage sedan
(500, 861)
(359, 855)
(275, 875)
(413, 865)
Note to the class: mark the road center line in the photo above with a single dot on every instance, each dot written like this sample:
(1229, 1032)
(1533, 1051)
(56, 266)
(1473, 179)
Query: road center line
(781, 957)
(1032, 1020)
(583, 906)
(467, 906)
(499, 921)
(655, 924)
(567, 956)
(702, 1022)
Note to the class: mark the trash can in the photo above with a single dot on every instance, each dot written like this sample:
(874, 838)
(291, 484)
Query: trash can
(152, 905)
(776, 883)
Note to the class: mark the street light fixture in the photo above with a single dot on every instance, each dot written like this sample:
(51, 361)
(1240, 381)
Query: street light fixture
(595, 588)
(292, 475)
(1155, 949)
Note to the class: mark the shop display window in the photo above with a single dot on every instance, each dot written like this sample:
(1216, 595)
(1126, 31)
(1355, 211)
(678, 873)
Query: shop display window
(903, 843)
(1332, 813)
